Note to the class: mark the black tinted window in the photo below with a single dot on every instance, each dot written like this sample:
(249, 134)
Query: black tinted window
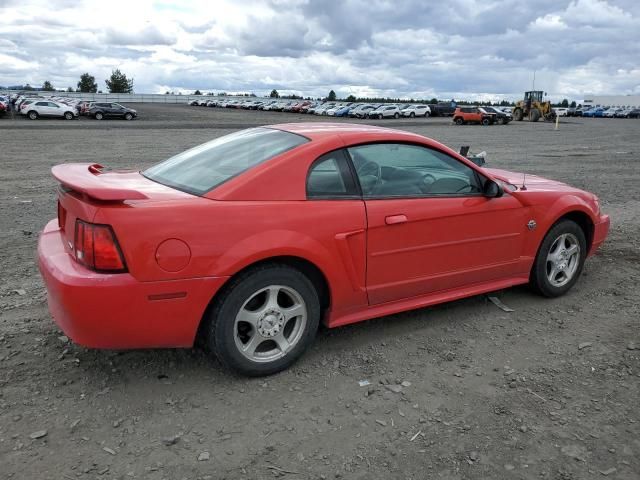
(325, 178)
(206, 166)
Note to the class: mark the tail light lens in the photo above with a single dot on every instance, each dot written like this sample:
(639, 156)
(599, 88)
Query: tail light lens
(96, 247)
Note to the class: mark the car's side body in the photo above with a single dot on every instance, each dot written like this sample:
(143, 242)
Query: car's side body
(464, 115)
(181, 249)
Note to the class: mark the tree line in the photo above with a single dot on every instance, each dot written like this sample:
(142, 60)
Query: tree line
(118, 82)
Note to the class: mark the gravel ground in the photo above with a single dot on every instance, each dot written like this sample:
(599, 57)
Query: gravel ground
(459, 391)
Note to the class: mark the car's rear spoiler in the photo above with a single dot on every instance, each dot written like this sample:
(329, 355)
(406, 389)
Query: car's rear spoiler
(90, 180)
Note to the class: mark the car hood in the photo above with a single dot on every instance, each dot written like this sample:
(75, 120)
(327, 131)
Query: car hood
(532, 182)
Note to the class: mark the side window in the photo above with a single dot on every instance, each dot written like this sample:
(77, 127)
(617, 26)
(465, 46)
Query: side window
(54, 105)
(42, 104)
(403, 170)
(329, 176)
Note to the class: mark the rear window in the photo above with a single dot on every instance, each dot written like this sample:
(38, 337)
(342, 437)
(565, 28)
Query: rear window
(206, 166)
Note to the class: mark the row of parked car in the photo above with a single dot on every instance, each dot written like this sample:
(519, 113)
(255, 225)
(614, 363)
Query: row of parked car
(461, 115)
(332, 109)
(602, 112)
(35, 106)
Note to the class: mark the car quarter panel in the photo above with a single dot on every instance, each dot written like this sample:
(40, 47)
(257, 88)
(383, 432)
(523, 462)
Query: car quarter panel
(225, 237)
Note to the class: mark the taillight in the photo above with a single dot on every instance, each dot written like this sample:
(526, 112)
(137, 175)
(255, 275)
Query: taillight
(96, 247)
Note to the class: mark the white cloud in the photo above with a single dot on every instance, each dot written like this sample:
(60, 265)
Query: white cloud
(459, 48)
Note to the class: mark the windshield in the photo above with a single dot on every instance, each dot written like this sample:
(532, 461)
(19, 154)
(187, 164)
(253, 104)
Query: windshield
(206, 166)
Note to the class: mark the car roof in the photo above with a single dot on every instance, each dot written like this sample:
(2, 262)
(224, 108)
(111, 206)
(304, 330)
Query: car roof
(319, 131)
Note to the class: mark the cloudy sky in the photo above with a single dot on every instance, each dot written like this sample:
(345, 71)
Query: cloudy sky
(471, 49)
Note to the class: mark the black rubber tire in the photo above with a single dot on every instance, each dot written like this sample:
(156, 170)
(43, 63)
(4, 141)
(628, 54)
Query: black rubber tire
(128, 116)
(538, 279)
(486, 121)
(501, 121)
(396, 115)
(68, 116)
(33, 115)
(518, 115)
(412, 114)
(458, 121)
(98, 116)
(534, 116)
(427, 115)
(221, 318)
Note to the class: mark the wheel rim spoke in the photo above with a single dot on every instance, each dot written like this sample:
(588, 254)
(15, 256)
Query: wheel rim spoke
(249, 317)
(249, 348)
(282, 342)
(294, 311)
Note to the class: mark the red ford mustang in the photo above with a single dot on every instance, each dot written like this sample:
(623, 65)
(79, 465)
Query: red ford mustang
(252, 239)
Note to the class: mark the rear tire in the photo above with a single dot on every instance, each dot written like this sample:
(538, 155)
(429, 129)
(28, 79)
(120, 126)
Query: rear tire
(396, 115)
(518, 115)
(556, 252)
(486, 121)
(98, 116)
(458, 121)
(33, 115)
(264, 320)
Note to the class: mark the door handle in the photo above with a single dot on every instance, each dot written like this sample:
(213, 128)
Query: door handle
(395, 219)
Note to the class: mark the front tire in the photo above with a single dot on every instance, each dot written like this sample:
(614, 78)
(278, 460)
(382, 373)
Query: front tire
(396, 115)
(486, 121)
(33, 115)
(560, 259)
(128, 116)
(458, 121)
(264, 320)
(68, 115)
(412, 114)
(99, 116)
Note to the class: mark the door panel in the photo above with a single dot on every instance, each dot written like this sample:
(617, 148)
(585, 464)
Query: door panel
(423, 245)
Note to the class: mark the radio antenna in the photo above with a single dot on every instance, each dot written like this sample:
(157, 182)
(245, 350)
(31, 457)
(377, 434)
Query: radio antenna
(524, 178)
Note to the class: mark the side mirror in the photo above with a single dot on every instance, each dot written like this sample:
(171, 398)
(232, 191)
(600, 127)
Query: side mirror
(492, 189)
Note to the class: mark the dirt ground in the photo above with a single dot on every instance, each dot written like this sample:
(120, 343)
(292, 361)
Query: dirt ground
(459, 391)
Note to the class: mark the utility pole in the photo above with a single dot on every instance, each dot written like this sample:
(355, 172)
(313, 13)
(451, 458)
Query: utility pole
(533, 86)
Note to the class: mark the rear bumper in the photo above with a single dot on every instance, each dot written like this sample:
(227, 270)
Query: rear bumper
(600, 232)
(116, 310)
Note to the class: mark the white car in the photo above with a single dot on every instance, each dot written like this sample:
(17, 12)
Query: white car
(561, 112)
(385, 111)
(322, 110)
(47, 108)
(416, 111)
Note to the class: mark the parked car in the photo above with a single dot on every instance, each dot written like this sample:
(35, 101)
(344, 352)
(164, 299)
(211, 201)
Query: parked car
(416, 111)
(594, 112)
(322, 109)
(635, 113)
(501, 118)
(464, 115)
(610, 112)
(443, 109)
(127, 252)
(385, 111)
(362, 111)
(48, 108)
(561, 111)
(100, 110)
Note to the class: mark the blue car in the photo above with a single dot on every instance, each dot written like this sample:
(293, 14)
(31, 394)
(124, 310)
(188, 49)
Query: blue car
(594, 112)
(344, 111)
